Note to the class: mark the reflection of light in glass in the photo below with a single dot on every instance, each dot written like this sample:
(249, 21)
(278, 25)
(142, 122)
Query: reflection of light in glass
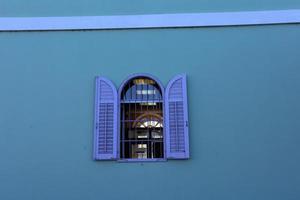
(156, 135)
(142, 136)
(140, 146)
(132, 134)
(148, 104)
(145, 92)
(146, 124)
(142, 81)
(139, 150)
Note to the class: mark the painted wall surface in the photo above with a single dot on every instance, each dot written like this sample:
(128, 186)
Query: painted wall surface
(30, 8)
(244, 110)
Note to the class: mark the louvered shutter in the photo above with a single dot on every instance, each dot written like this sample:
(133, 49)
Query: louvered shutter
(105, 122)
(176, 115)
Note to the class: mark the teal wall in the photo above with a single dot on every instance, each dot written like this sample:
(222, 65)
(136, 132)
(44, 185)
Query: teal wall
(27, 8)
(243, 85)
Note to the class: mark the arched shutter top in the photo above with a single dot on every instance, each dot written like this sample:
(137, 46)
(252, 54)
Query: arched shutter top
(107, 90)
(175, 89)
(105, 123)
(177, 134)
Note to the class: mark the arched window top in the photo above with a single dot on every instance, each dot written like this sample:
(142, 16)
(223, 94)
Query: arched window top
(141, 87)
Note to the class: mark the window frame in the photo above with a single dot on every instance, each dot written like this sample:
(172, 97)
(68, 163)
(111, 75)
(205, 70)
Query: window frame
(119, 90)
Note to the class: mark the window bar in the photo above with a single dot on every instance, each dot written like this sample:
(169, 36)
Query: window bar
(153, 128)
(135, 113)
(123, 125)
(141, 108)
(147, 118)
(158, 109)
(146, 87)
(162, 128)
(129, 116)
(153, 108)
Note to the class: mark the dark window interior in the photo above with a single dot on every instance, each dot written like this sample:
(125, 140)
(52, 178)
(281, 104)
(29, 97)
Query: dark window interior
(141, 120)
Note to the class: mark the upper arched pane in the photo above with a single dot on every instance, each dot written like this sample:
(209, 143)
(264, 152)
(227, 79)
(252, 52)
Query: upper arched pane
(141, 89)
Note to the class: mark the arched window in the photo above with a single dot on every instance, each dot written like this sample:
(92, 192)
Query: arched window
(142, 121)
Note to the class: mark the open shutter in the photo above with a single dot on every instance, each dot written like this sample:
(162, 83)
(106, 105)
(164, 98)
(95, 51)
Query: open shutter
(177, 136)
(105, 122)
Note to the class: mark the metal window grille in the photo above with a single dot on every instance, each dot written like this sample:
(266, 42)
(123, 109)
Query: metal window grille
(141, 120)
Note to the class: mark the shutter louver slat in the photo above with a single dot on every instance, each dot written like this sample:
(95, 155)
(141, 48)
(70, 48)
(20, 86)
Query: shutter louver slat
(105, 131)
(177, 119)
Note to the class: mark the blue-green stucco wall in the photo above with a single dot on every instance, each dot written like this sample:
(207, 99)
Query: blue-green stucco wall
(29, 8)
(244, 94)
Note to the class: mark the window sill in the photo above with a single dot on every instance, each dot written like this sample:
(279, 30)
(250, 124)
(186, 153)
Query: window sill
(142, 160)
